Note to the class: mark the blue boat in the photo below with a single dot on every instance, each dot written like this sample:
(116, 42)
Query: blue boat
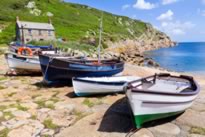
(62, 69)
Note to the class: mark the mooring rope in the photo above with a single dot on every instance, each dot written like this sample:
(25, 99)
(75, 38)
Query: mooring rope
(50, 60)
(132, 132)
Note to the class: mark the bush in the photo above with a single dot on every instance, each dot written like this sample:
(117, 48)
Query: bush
(18, 4)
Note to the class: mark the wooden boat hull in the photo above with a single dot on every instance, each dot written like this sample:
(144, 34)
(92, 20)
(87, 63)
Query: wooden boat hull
(90, 85)
(147, 106)
(23, 63)
(53, 74)
(56, 71)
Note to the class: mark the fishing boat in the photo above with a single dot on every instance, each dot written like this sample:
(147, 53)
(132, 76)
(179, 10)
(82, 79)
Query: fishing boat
(34, 50)
(90, 85)
(57, 70)
(160, 96)
(21, 63)
(64, 69)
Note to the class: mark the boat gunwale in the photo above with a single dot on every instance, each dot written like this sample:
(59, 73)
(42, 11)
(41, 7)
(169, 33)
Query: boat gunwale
(184, 93)
(98, 65)
(118, 83)
(20, 56)
(52, 66)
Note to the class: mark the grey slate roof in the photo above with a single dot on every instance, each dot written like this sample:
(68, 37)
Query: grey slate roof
(35, 25)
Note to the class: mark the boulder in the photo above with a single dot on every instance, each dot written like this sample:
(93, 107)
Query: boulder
(21, 114)
(14, 123)
(64, 105)
(168, 130)
(192, 118)
(143, 133)
(61, 117)
(10, 110)
(47, 132)
(31, 105)
(19, 133)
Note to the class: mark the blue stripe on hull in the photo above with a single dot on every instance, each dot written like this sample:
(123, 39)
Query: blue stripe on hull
(116, 83)
(90, 94)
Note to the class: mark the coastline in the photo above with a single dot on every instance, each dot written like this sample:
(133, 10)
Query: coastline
(183, 58)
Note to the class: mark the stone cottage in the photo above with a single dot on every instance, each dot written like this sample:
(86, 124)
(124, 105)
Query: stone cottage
(28, 31)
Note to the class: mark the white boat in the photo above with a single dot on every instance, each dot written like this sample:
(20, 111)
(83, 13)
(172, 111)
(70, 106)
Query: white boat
(21, 63)
(100, 85)
(27, 64)
(160, 96)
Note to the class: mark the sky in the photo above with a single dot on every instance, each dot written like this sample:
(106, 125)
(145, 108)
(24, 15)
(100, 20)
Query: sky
(182, 20)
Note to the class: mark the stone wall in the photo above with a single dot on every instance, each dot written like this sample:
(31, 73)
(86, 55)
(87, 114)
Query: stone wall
(37, 35)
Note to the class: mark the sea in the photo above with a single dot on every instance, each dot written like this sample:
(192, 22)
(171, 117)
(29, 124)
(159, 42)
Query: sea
(184, 57)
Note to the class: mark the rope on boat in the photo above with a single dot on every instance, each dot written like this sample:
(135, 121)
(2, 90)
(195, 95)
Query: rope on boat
(132, 132)
(50, 60)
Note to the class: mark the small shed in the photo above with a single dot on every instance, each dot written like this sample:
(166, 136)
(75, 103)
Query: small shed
(28, 31)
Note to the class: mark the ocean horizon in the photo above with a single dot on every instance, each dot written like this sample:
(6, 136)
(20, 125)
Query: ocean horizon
(184, 57)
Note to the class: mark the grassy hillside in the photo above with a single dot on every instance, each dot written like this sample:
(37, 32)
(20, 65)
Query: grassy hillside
(72, 21)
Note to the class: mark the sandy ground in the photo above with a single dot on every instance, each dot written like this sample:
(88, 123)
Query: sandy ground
(28, 108)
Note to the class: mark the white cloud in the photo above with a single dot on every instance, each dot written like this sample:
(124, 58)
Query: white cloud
(166, 16)
(166, 2)
(126, 6)
(176, 27)
(142, 4)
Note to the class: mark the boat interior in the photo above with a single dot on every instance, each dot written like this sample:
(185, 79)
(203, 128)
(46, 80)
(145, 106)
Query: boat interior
(165, 83)
(111, 79)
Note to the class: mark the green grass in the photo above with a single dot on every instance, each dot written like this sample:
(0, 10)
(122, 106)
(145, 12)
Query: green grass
(34, 117)
(9, 115)
(51, 106)
(99, 102)
(67, 45)
(79, 115)
(3, 78)
(2, 87)
(2, 107)
(88, 103)
(55, 95)
(41, 103)
(35, 96)
(11, 94)
(19, 107)
(4, 132)
(54, 99)
(45, 136)
(197, 130)
(72, 22)
(48, 123)
(1, 52)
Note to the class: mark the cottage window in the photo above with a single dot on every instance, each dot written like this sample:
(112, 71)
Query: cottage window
(39, 32)
(30, 32)
(49, 33)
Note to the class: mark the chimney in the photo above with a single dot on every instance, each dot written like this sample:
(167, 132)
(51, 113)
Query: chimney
(17, 18)
(49, 21)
